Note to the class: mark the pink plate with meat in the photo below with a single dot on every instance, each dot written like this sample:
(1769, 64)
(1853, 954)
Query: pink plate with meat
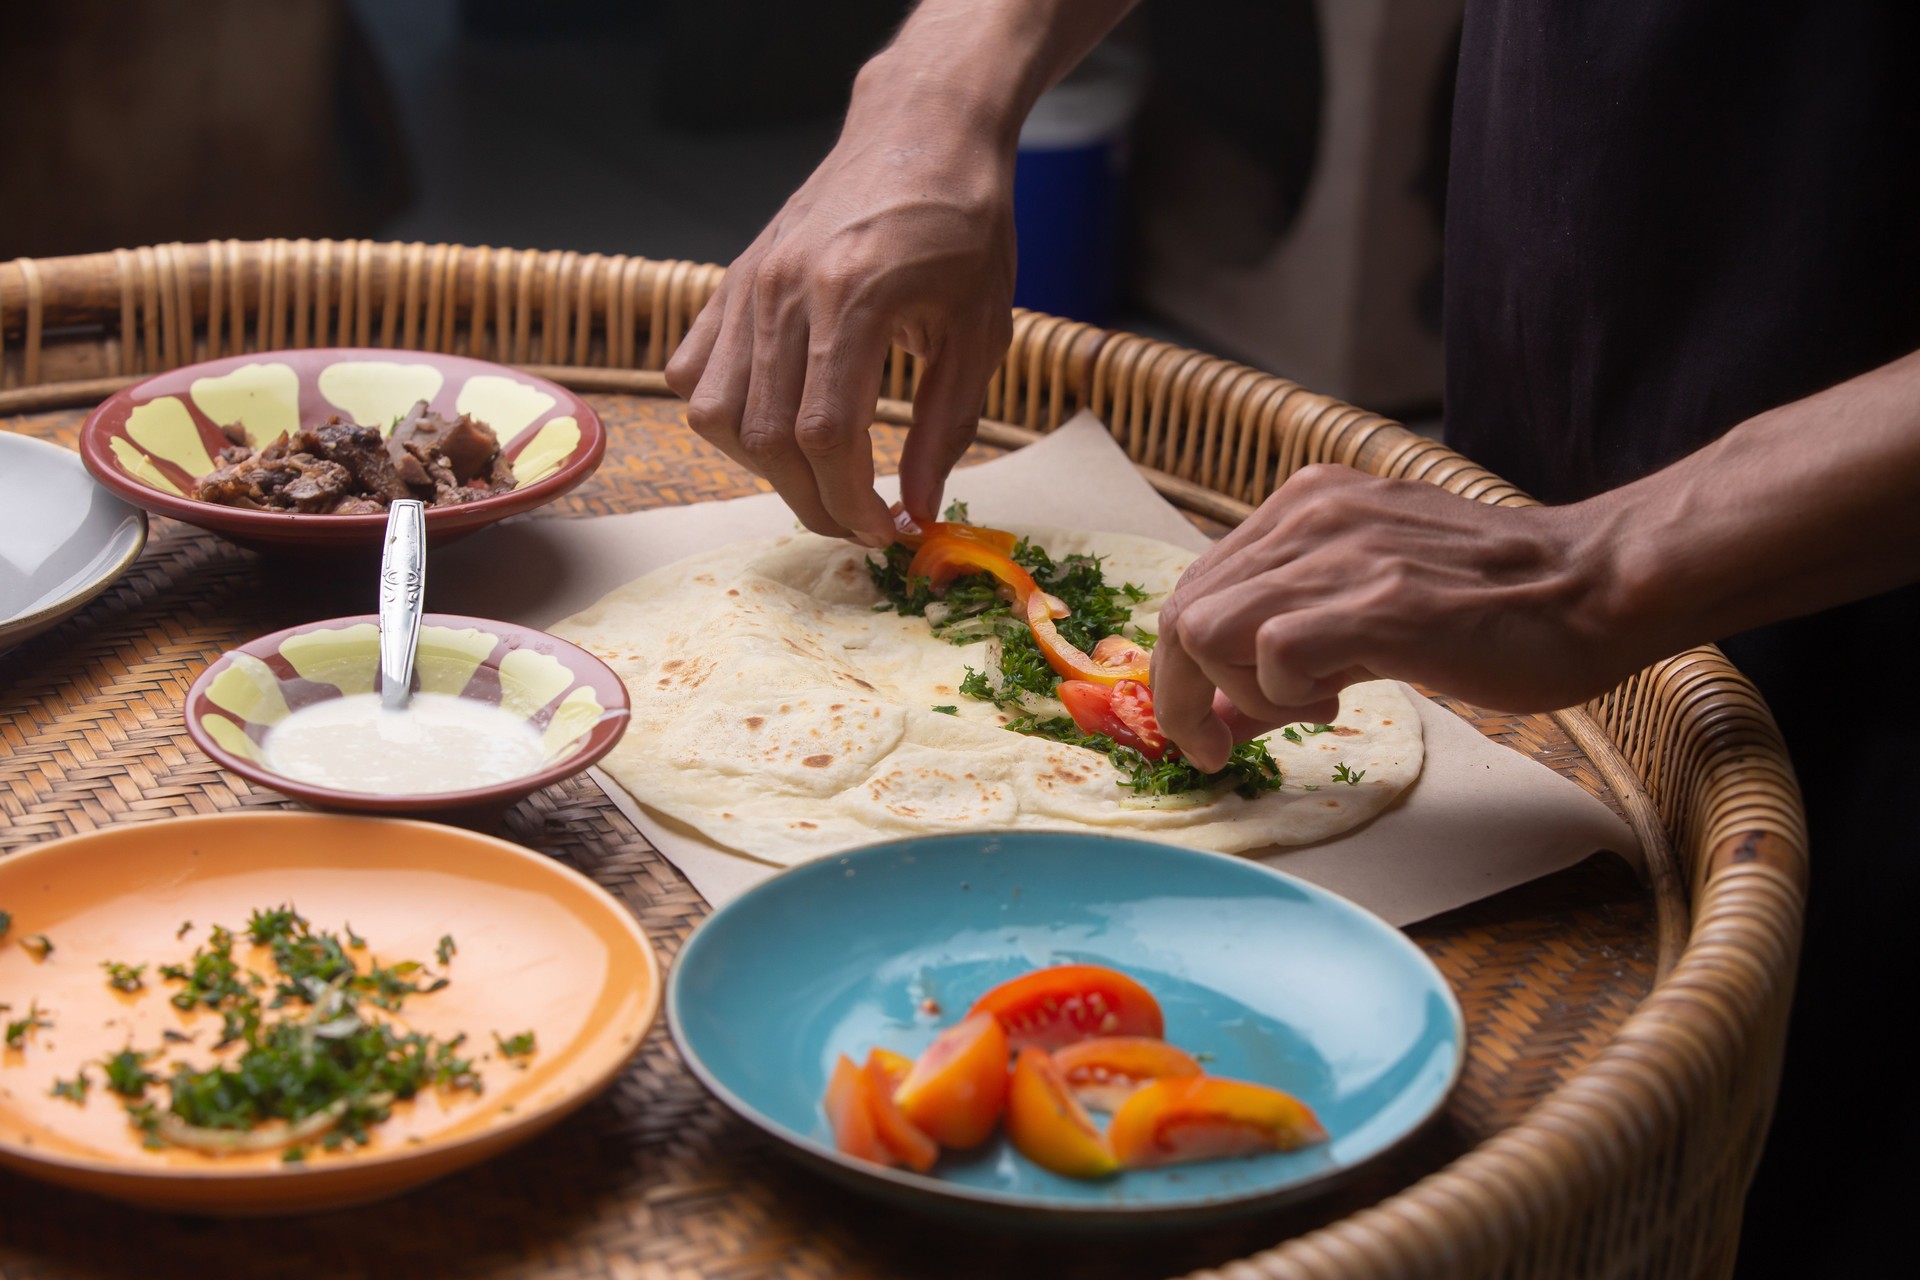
(299, 451)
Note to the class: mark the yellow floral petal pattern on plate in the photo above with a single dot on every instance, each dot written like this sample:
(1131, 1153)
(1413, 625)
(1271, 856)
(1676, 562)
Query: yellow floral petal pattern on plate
(529, 681)
(375, 392)
(553, 445)
(449, 656)
(571, 720)
(232, 738)
(348, 658)
(505, 404)
(263, 398)
(250, 690)
(140, 466)
(165, 428)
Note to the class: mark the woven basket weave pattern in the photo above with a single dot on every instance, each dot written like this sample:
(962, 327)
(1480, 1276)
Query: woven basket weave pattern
(1630, 1157)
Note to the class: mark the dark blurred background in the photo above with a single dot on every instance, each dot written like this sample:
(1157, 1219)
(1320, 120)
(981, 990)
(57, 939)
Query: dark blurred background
(1258, 178)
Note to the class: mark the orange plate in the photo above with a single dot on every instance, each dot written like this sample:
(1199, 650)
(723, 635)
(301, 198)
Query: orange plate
(541, 948)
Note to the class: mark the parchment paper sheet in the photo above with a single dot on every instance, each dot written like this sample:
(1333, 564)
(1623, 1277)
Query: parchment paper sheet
(1481, 818)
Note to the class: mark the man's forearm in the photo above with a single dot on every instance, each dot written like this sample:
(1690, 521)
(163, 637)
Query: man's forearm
(1801, 508)
(988, 60)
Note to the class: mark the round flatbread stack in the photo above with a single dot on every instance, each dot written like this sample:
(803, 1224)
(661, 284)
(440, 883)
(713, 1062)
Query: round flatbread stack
(776, 711)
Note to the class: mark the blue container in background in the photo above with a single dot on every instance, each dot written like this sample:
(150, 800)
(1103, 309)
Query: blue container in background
(1067, 188)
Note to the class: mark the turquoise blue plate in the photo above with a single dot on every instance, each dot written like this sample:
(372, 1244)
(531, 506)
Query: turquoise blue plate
(1266, 977)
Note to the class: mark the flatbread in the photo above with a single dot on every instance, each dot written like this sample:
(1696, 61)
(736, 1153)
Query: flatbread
(776, 712)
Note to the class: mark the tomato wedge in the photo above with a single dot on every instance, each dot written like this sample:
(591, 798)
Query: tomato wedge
(1053, 1007)
(1105, 1071)
(1092, 708)
(1208, 1118)
(900, 1136)
(1063, 657)
(957, 1088)
(849, 1106)
(911, 534)
(893, 1065)
(1048, 1126)
(1133, 707)
(1118, 651)
(944, 557)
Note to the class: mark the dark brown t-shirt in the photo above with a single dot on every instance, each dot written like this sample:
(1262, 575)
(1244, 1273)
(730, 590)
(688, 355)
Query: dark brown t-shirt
(1664, 216)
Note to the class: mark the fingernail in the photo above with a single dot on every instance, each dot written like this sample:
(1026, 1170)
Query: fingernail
(878, 541)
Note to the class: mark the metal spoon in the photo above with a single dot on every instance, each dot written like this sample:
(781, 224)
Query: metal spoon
(403, 578)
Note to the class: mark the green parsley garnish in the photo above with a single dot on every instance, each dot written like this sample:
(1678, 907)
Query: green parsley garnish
(281, 923)
(21, 1030)
(972, 610)
(447, 948)
(354, 940)
(323, 1070)
(956, 513)
(1341, 773)
(520, 1046)
(1250, 770)
(127, 1073)
(186, 927)
(38, 946)
(6, 923)
(74, 1090)
(124, 977)
(948, 710)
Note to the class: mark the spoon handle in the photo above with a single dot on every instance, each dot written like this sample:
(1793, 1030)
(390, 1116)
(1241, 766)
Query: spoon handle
(403, 579)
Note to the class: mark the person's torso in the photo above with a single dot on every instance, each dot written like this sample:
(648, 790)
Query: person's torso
(1665, 216)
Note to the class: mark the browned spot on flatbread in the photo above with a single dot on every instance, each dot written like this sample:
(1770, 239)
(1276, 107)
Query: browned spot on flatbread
(733, 591)
(817, 762)
(785, 708)
(1386, 722)
(754, 722)
(705, 579)
(941, 688)
(804, 825)
(862, 683)
(838, 706)
(1346, 730)
(673, 664)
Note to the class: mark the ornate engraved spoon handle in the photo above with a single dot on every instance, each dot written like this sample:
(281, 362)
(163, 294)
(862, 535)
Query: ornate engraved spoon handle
(403, 579)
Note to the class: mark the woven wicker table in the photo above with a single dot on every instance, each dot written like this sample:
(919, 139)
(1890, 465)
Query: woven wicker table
(1624, 1036)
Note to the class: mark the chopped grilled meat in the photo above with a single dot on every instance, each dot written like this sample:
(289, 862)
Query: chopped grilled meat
(363, 451)
(413, 472)
(469, 446)
(342, 469)
(417, 421)
(319, 487)
(502, 478)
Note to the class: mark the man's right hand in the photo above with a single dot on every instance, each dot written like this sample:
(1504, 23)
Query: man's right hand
(904, 234)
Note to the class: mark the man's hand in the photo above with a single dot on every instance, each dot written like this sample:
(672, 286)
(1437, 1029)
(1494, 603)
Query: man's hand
(904, 234)
(1340, 577)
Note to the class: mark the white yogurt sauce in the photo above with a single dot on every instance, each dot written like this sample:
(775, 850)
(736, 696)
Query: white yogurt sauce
(439, 743)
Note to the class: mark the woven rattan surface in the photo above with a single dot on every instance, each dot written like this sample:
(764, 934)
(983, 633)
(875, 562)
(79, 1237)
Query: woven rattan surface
(1626, 1042)
(655, 1178)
